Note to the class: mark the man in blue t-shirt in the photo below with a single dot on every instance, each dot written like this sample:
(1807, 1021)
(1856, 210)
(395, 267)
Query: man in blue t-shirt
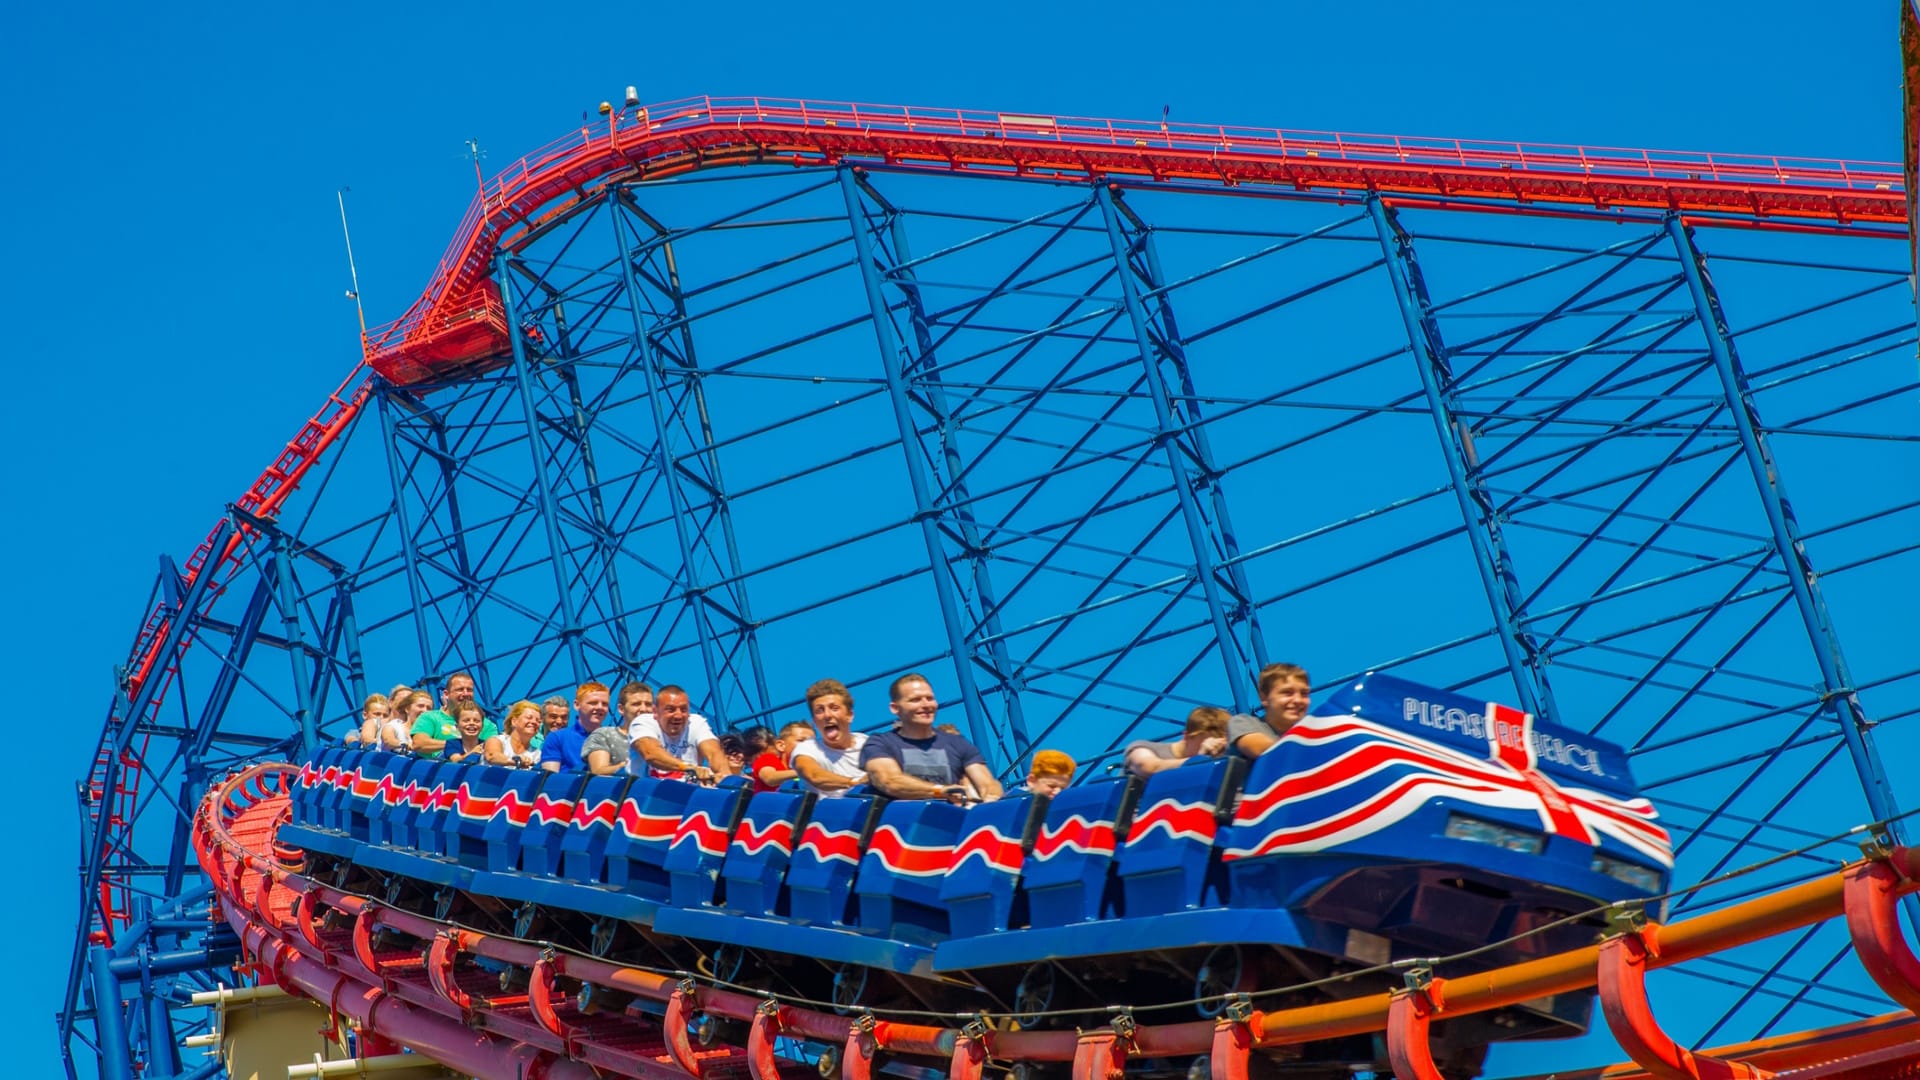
(564, 749)
(913, 761)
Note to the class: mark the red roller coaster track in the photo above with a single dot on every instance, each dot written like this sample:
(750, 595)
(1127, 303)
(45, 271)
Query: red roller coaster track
(458, 321)
(432, 997)
(458, 324)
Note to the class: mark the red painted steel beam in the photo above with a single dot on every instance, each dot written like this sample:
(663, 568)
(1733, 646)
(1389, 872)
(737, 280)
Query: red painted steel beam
(1409, 1019)
(1623, 999)
(446, 1041)
(458, 323)
(1873, 921)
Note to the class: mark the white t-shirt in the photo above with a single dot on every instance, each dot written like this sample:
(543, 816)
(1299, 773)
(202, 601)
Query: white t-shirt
(503, 744)
(644, 726)
(839, 762)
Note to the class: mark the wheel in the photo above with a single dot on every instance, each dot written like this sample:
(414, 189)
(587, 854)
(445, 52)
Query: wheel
(523, 917)
(829, 1063)
(603, 931)
(728, 963)
(1222, 974)
(849, 987)
(1034, 996)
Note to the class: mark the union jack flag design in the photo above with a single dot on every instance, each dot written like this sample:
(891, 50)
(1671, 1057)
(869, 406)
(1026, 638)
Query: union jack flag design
(1352, 777)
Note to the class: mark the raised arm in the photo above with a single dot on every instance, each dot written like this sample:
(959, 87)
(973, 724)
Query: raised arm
(772, 777)
(821, 777)
(653, 753)
(984, 781)
(497, 754)
(716, 758)
(1142, 761)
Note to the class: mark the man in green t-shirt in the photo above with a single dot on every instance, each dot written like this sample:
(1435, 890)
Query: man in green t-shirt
(435, 726)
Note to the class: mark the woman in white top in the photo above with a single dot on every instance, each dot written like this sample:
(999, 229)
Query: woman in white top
(514, 746)
(404, 710)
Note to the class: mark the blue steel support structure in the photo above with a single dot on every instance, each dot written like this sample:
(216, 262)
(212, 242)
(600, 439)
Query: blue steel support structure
(542, 484)
(1097, 501)
(661, 352)
(1180, 464)
(691, 586)
(893, 362)
(1491, 557)
(1839, 694)
(403, 518)
(287, 599)
(922, 370)
(573, 425)
(1233, 559)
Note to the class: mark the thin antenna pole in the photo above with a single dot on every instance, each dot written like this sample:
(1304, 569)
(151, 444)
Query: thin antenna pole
(352, 269)
(479, 181)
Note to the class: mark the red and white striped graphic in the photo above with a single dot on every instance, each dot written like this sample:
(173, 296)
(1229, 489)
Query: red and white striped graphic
(1373, 776)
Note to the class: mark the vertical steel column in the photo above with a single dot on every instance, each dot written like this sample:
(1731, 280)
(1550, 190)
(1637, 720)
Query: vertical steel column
(1490, 556)
(109, 1017)
(1203, 451)
(462, 562)
(219, 694)
(1166, 424)
(597, 506)
(893, 365)
(998, 660)
(1836, 682)
(288, 601)
(542, 486)
(350, 638)
(403, 520)
(669, 465)
(698, 392)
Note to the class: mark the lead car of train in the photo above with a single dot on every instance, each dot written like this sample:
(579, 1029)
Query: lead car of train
(1400, 823)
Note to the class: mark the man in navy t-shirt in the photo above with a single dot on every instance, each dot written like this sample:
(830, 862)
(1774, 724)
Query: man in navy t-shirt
(914, 761)
(563, 750)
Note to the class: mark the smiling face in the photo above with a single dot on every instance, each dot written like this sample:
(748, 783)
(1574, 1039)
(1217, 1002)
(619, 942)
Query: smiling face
(555, 716)
(416, 705)
(916, 707)
(671, 709)
(525, 723)
(834, 718)
(592, 707)
(459, 688)
(470, 721)
(1287, 701)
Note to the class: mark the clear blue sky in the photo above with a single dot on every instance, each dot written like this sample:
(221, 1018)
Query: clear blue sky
(174, 273)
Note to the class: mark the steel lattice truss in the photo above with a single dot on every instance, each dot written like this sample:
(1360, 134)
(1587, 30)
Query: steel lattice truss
(1089, 455)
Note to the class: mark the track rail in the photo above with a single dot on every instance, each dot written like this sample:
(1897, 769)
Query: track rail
(458, 322)
(434, 998)
(119, 767)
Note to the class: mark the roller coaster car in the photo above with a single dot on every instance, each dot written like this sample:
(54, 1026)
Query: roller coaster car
(1399, 823)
